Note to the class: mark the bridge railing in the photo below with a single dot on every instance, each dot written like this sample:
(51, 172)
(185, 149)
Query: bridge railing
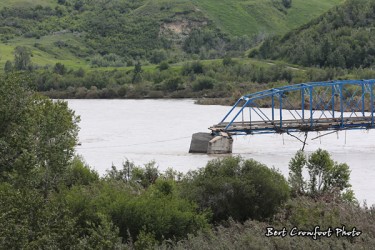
(334, 105)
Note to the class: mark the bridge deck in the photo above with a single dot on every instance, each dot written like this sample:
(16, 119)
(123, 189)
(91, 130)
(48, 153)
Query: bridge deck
(295, 125)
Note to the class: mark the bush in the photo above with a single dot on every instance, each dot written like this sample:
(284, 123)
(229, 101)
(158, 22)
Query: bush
(137, 212)
(237, 188)
(195, 67)
(163, 66)
(203, 83)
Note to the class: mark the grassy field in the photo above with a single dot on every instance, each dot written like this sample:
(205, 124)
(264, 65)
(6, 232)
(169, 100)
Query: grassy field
(44, 52)
(260, 16)
(27, 3)
(304, 11)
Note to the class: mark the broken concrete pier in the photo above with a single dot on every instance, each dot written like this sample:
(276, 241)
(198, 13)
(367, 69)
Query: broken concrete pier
(211, 144)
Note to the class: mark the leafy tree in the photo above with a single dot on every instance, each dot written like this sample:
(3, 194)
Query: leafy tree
(296, 180)
(237, 188)
(80, 72)
(79, 173)
(137, 73)
(59, 68)
(164, 65)
(145, 176)
(16, 130)
(158, 56)
(8, 66)
(172, 84)
(56, 137)
(158, 210)
(203, 83)
(195, 67)
(287, 3)
(37, 136)
(325, 175)
(29, 221)
(227, 61)
(22, 58)
(202, 39)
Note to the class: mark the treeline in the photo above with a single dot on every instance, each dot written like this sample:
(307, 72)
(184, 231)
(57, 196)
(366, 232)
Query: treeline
(51, 198)
(225, 78)
(344, 38)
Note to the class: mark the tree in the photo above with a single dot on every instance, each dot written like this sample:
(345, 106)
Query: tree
(55, 139)
(203, 83)
(325, 175)
(59, 69)
(236, 188)
(228, 61)
(37, 136)
(22, 58)
(8, 66)
(163, 65)
(296, 180)
(287, 3)
(137, 73)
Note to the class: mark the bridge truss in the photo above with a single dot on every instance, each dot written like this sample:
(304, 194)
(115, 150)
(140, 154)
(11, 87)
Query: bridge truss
(315, 106)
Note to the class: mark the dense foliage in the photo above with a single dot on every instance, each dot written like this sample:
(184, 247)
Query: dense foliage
(302, 213)
(118, 32)
(115, 33)
(158, 49)
(50, 198)
(236, 188)
(325, 176)
(226, 80)
(343, 38)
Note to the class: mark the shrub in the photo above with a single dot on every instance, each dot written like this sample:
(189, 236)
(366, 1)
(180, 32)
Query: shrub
(163, 66)
(203, 83)
(237, 188)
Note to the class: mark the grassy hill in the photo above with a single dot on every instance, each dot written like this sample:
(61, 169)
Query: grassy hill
(81, 33)
(252, 17)
(27, 3)
(344, 37)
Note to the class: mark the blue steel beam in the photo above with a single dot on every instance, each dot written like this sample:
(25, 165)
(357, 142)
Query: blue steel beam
(356, 104)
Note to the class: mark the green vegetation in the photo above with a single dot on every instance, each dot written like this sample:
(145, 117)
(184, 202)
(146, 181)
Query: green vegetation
(51, 198)
(340, 38)
(81, 33)
(262, 18)
(326, 177)
(220, 81)
(232, 187)
(181, 49)
(154, 49)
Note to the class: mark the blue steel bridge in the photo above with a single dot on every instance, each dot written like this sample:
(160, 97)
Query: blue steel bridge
(305, 107)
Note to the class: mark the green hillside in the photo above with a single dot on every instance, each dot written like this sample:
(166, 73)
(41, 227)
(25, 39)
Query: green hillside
(344, 37)
(96, 33)
(262, 16)
(27, 3)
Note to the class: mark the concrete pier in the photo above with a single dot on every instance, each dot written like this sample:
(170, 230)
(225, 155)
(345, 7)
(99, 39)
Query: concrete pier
(209, 144)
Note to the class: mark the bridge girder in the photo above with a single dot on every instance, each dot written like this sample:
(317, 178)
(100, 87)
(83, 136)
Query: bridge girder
(314, 106)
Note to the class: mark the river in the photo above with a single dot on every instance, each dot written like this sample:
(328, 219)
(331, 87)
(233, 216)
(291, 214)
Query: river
(160, 131)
